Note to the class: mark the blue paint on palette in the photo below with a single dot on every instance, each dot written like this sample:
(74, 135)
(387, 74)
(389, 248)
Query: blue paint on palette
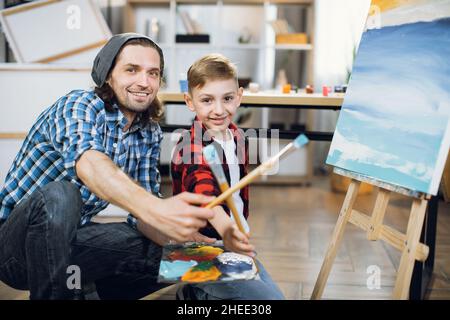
(175, 269)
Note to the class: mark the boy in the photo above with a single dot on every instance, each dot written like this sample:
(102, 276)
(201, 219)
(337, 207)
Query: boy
(214, 95)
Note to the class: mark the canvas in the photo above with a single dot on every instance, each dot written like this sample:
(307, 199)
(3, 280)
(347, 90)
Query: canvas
(200, 262)
(394, 125)
(71, 31)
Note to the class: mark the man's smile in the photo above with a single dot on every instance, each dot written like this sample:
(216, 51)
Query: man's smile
(139, 93)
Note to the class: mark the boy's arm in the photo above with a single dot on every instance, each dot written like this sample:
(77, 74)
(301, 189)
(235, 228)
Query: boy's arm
(221, 221)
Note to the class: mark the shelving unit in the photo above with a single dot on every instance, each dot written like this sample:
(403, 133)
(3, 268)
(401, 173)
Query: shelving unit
(225, 21)
(255, 60)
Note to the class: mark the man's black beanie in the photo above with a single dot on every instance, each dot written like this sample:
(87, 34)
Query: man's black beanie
(106, 56)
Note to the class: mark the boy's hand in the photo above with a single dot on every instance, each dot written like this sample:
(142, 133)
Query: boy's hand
(236, 241)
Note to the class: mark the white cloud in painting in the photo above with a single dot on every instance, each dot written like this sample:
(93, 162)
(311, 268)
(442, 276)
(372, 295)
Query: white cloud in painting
(357, 152)
(420, 96)
(412, 105)
(404, 123)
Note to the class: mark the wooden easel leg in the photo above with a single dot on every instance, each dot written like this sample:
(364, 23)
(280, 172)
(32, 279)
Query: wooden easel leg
(376, 221)
(336, 239)
(415, 223)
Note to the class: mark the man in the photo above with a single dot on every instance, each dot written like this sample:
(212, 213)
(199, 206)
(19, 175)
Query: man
(87, 150)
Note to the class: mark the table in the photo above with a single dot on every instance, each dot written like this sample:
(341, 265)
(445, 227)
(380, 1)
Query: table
(272, 99)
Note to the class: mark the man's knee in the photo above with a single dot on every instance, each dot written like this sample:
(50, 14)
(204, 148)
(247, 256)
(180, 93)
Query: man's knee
(63, 202)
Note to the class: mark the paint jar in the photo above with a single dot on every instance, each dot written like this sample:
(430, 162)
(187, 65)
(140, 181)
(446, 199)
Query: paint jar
(326, 90)
(287, 88)
(309, 89)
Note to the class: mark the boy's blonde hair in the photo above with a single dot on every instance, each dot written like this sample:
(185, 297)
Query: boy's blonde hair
(210, 67)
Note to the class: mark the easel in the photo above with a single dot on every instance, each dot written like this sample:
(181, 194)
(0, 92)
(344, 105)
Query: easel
(408, 243)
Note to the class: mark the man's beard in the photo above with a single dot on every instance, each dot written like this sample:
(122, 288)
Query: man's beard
(135, 106)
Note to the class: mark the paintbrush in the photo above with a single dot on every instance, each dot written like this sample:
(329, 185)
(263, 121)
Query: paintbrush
(299, 142)
(212, 158)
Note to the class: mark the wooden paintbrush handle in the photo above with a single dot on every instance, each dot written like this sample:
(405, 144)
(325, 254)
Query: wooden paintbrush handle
(230, 203)
(242, 183)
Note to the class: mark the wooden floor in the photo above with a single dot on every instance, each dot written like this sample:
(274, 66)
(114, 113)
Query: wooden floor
(291, 228)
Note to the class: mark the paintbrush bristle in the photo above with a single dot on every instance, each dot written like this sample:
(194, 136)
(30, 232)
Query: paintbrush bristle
(300, 141)
(211, 155)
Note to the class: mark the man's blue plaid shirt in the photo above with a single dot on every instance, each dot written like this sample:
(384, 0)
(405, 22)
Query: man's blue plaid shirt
(76, 123)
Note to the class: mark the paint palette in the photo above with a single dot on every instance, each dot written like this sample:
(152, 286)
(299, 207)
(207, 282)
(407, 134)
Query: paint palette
(195, 262)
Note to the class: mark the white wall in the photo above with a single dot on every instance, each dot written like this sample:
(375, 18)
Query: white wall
(2, 38)
(338, 29)
(9, 149)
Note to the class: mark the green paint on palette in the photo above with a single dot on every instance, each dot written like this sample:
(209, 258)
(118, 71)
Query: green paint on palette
(203, 266)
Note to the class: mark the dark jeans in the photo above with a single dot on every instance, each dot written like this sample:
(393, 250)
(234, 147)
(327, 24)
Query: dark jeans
(41, 241)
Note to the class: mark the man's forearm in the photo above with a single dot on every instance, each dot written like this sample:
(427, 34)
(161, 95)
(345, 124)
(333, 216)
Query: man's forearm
(109, 182)
(152, 233)
(177, 217)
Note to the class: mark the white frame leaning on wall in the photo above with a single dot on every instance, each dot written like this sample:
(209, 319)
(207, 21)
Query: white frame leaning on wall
(11, 17)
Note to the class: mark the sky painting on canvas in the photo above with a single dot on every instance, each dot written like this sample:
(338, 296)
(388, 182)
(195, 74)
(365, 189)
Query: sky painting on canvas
(394, 125)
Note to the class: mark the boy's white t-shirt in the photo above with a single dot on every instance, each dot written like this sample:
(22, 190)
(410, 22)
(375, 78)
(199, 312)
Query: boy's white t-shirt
(229, 147)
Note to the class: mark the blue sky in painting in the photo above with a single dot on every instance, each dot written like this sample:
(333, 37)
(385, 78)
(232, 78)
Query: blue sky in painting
(396, 111)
